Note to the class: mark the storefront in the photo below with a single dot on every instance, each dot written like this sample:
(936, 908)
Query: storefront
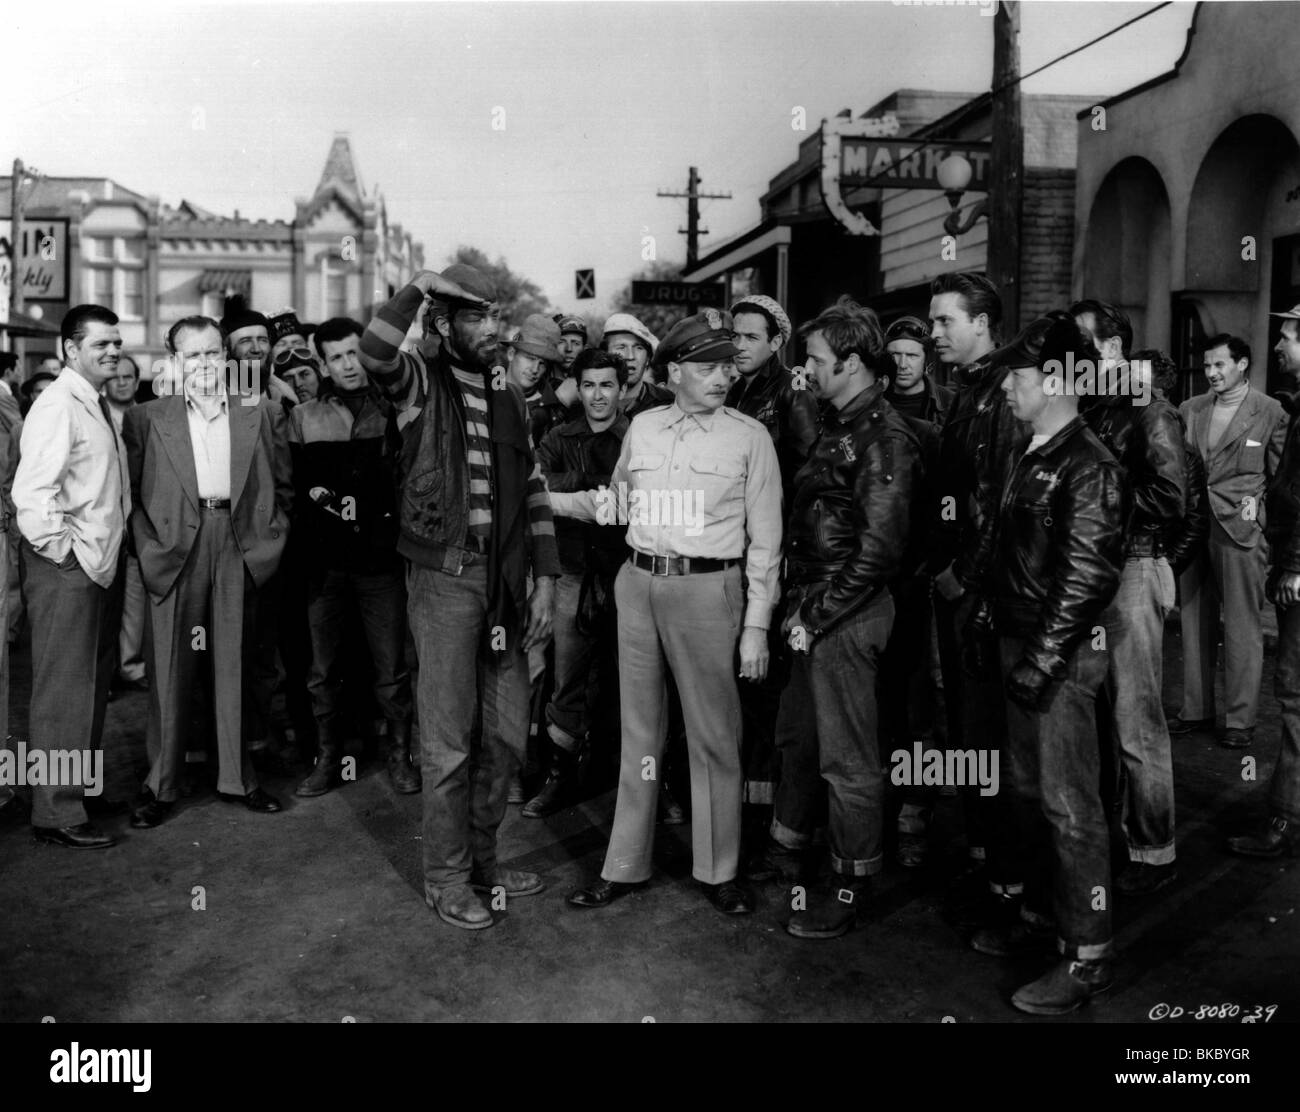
(1187, 200)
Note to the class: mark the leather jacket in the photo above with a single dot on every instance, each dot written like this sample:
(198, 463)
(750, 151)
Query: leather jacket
(1054, 549)
(574, 458)
(1148, 442)
(849, 517)
(937, 401)
(787, 412)
(1185, 539)
(976, 443)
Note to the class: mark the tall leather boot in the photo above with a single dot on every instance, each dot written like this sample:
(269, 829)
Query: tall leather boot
(561, 782)
(834, 912)
(402, 771)
(329, 760)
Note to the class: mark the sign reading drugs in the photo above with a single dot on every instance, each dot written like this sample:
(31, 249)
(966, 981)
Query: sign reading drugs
(704, 294)
(908, 163)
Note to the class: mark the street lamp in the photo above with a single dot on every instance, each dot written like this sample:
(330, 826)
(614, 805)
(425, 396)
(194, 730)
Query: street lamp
(954, 174)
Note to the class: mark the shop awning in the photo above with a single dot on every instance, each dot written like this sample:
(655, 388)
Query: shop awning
(226, 282)
(20, 324)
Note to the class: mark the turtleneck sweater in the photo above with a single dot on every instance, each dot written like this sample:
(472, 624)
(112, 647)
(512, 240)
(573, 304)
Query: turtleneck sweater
(1224, 409)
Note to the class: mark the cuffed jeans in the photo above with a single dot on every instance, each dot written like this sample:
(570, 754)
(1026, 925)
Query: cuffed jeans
(837, 742)
(380, 599)
(473, 700)
(1055, 781)
(568, 712)
(1284, 788)
(1135, 631)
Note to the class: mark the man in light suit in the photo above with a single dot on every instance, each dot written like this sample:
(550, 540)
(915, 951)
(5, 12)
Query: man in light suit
(1239, 433)
(210, 472)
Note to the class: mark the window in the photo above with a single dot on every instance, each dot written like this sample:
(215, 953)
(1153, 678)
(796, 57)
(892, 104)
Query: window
(213, 305)
(336, 293)
(115, 270)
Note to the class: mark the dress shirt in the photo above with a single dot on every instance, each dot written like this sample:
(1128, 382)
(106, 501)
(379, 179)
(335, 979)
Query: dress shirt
(72, 492)
(703, 485)
(210, 439)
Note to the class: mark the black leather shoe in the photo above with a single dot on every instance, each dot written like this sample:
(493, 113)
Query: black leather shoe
(83, 836)
(729, 898)
(256, 800)
(1237, 738)
(1275, 838)
(1181, 727)
(600, 893)
(150, 814)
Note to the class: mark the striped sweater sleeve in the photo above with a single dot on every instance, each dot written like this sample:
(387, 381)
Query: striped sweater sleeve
(541, 525)
(390, 368)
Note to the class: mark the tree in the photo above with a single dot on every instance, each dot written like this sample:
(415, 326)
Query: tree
(518, 296)
(658, 318)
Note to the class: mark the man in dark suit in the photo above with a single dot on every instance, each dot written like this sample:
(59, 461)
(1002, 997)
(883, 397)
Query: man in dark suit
(1239, 433)
(211, 479)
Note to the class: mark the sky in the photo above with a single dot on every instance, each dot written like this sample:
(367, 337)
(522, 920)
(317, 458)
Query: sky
(596, 106)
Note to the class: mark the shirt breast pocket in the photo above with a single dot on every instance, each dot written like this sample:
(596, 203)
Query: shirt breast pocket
(720, 480)
(646, 462)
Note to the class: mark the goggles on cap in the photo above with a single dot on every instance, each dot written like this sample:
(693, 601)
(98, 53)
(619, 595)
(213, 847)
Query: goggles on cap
(294, 355)
(908, 329)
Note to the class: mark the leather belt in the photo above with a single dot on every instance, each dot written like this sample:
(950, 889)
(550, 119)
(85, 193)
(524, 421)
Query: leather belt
(215, 503)
(679, 565)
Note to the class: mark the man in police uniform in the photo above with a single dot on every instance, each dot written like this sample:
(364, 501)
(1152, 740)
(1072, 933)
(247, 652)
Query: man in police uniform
(695, 481)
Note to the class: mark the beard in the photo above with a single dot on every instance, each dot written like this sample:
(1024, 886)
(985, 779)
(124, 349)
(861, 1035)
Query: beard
(461, 347)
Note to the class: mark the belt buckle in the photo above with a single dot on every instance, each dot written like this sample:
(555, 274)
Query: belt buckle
(656, 562)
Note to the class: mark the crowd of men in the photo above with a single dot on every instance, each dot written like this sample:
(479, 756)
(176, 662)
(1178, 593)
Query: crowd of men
(527, 551)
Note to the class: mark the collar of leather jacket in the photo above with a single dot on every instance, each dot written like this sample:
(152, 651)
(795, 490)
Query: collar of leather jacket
(579, 427)
(760, 382)
(1059, 437)
(869, 397)
(972, 374)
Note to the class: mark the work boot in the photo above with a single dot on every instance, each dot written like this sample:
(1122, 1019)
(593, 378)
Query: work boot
(561, 781)
(402, 773)
(329, 759)
(1066, 986)
(834, 912)
(775, 862)
(1275, 838)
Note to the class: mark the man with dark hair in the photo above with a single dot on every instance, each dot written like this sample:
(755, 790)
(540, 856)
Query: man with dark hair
(210, 476)
(474, 519)
(1239, 433)
(120, 391)
(766, 390)
(581, 455)
(345, 466)
(1051, 553)
(907, 687)
(73, 499)
(700, 489)
(629, 339)
(1147, 440)
(848, 528)
(977, 439)
(1279, 831)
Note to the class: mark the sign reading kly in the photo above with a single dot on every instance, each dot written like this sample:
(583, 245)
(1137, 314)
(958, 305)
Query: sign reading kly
(705, 295)
(908, 163)
(43, 259)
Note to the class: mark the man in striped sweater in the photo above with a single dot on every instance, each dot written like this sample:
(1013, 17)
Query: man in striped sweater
(474, 519)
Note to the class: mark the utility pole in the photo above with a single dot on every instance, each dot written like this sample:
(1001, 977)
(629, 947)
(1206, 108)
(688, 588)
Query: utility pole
(693, 231)
(1006, 165)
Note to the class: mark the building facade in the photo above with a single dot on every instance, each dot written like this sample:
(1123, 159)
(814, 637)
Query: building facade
(1187, 203)
(152, 264)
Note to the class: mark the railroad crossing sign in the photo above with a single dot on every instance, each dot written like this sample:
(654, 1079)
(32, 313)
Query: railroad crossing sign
(585, 283)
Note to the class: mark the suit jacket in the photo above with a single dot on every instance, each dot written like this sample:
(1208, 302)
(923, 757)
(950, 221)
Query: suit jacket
(165, 490)
(1242, 465)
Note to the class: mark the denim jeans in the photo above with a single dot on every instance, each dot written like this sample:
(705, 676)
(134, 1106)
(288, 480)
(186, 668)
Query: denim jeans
(568, 713)
(838, 678)
(1284, 788)
(976, 719)
(473, 699)
(1135, 633)
(380, 600)
(1055, 769)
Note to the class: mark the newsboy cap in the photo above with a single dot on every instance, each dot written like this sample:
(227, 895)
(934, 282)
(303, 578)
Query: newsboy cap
(539, 336)
(471, 280)
(768, 307)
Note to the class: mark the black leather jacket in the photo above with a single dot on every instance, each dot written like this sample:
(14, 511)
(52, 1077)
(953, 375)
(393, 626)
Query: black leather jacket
(1185, 539)
(1148, 442)
(976, 442)
(849, 516)
(1284, 498)
(788, 414)
(1054, 549)
(572, 457)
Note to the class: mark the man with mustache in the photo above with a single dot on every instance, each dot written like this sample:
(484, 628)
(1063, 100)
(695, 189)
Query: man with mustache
(72, 500)
(474, 520)
(681, 606)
